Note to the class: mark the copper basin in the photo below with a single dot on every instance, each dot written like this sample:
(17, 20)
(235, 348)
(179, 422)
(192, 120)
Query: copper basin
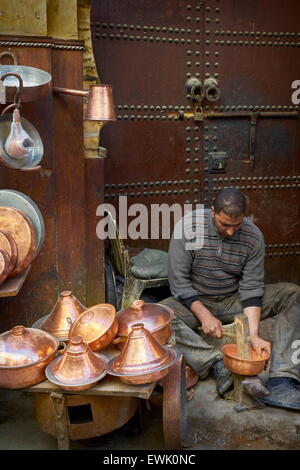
(64, 313)
(98, 326)
(24, 355)
(79, 368)
(142, 359)
(252, 366)
(156, 318)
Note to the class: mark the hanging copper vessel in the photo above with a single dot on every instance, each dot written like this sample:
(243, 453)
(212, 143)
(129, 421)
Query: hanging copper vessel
(24, 355)
(252, 366)
(156, 318)
(8, 244)
(142, 359)
(64, 313)
(79, 368)
(98, 326)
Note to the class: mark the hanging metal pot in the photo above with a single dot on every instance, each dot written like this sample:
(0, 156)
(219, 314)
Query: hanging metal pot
(35, 82)
(156, 318)
(21, 146)
(24, 355)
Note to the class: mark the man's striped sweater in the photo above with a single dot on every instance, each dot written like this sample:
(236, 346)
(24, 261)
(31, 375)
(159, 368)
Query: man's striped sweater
(221, 267)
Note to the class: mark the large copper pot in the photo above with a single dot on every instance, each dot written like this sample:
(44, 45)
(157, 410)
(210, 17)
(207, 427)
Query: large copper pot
(142, 359)
(64, 313)
(156, 318)
(79, 368)
(24, 355)
(98, 326)
(252, 366)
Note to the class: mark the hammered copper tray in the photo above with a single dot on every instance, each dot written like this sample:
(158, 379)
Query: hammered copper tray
(22, 202)
(8, 244)
(4, 265)
(21, 229)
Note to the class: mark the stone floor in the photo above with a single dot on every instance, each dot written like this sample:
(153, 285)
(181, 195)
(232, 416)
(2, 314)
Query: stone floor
(212, 424)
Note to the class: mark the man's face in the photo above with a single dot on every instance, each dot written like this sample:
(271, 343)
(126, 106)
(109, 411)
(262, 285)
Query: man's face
(226, 226)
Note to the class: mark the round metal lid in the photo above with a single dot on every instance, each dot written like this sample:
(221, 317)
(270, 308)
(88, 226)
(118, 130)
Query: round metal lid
(153, 316)
(35, 154)
(22, 202)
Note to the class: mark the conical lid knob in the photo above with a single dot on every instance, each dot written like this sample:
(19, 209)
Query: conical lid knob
(64, 313)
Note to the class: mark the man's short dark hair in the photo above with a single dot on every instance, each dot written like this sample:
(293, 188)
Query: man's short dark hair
(231, 201)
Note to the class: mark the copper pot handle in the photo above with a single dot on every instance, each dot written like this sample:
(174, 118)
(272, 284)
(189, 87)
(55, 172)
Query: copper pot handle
(9, 54)
(61, 348)
(118, 340)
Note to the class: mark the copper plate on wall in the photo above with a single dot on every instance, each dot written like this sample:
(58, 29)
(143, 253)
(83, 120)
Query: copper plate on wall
(21, 229)
(4, 265)
(22, 202)
(8, 244)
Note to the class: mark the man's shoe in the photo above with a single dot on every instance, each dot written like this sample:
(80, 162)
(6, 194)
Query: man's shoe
(284, 393)
(223, 377)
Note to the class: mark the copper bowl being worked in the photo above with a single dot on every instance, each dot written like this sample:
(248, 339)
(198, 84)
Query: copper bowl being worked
(98, 326)
(79, 368)
(24, 355)
(142, 359)
(252, 366)
(156, 318)
(64, 313)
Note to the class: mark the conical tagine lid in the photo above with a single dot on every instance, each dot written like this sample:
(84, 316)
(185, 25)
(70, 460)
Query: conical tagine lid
(65, 312)
(141, 354)
(78, 366)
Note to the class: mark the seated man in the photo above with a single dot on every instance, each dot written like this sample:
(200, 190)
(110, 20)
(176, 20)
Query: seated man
(225, 277)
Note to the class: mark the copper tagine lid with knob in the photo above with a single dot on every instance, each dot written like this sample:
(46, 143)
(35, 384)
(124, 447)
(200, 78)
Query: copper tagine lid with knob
(153, 316)
(141, 355)
(22, 346)
(79, 368)
(64, 313)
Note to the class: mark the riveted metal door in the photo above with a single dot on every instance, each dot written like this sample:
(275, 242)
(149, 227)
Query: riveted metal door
(147, 50)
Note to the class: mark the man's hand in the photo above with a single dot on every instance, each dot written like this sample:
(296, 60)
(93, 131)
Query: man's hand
(212, 326)
(260, 345)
